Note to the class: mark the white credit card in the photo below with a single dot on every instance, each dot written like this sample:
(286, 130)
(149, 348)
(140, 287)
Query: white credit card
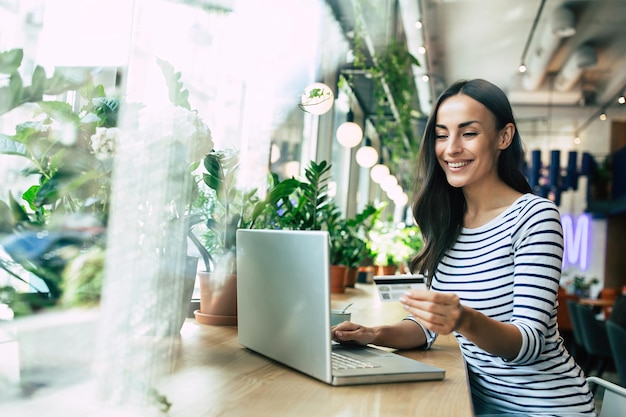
(392, 287)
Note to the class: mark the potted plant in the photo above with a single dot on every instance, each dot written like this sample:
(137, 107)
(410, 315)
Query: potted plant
(579, 285)
(223, 209)
(57, 231)
(68, 155)
(355, 245)
(347, 245)
(228, 208)
(305, 205)
(392, 245)
(298, 205)
(332, 222)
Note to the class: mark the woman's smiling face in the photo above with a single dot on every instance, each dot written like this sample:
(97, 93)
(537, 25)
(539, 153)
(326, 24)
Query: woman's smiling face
(467, 141)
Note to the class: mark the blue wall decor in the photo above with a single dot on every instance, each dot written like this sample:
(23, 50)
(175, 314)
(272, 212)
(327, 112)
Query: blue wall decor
(550, 181)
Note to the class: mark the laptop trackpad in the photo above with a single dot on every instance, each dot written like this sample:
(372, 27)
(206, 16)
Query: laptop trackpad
(364, 351)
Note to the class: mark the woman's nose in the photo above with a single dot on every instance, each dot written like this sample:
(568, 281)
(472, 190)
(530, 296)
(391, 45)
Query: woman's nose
(454, 144)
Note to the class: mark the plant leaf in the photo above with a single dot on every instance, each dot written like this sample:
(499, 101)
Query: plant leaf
(11, 60)
(59, 111)
(37, 86)
(179, 96)
(19, 214)
(30, 196)
(8, 146)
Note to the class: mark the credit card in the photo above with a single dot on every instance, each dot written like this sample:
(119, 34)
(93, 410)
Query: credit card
(392, 287)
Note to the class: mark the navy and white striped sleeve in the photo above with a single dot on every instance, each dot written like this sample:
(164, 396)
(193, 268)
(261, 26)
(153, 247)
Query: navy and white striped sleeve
(537, 253)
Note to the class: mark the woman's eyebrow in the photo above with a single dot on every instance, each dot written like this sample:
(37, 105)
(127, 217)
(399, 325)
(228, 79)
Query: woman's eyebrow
(461, 125)
(465, 124)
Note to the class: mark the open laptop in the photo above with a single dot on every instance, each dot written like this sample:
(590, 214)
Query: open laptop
(283, 303)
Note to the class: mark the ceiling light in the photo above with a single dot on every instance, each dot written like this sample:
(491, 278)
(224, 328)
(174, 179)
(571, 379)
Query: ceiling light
(317, 99)
(621, 100)
(603, 116)
(522, 68)
(378, 172)
(425, 78)
(577, 140)
(366, 156)
(388, 182)
(418, 24)
(349, 134)
(421, 50)
(395, 192)
(401, 200)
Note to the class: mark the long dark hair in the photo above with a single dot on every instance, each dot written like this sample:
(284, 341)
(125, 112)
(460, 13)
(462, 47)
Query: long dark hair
(438, 208)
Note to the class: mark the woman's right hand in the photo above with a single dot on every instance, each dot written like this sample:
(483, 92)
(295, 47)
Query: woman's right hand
(352, 333)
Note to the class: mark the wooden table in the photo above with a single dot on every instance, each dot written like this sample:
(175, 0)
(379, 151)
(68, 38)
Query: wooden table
(598, 305)
(212, 375)
(215, 376)
(597, 302)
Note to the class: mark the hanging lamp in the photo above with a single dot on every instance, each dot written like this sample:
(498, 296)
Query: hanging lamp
(317, 99)
(367, 155)
(349, 133)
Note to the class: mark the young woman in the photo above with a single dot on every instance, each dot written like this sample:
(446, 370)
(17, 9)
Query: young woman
(493, 254)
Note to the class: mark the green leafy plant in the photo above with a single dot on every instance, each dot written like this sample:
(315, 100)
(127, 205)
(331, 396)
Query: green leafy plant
(67, 155)
(389, 70)
(392, 244)
(225, 207)
(301, 209)
(71, 176)
(578, 284)
(15, 93)
(347, 236)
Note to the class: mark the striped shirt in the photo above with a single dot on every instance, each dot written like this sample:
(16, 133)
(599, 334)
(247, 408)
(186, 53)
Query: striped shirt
(509, 270)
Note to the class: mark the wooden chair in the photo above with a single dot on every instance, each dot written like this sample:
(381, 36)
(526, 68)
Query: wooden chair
(613, 400)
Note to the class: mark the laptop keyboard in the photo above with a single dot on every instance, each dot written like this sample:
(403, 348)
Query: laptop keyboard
(341, 361)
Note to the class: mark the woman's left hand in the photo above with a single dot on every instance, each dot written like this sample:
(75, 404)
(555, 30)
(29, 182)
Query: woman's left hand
(440, 312)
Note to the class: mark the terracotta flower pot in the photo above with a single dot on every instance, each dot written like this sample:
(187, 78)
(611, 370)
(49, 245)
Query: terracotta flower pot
(338, 275)
(351, 277)
(218, 299)
(385, 270)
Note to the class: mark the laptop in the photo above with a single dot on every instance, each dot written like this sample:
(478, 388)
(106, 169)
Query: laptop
(283, 304)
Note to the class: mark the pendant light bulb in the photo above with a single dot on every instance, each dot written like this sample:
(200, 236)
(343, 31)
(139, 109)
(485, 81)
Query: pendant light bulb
(378, 172)
(366, 156)
(317, 99)
(349, 134)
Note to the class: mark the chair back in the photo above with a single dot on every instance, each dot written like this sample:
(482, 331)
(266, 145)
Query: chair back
(577, 328)
(613, 400)
(617, 340)
(594, 333)
(618, 313)
(609, 294)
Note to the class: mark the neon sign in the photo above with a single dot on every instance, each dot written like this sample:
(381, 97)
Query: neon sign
(576, 232)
